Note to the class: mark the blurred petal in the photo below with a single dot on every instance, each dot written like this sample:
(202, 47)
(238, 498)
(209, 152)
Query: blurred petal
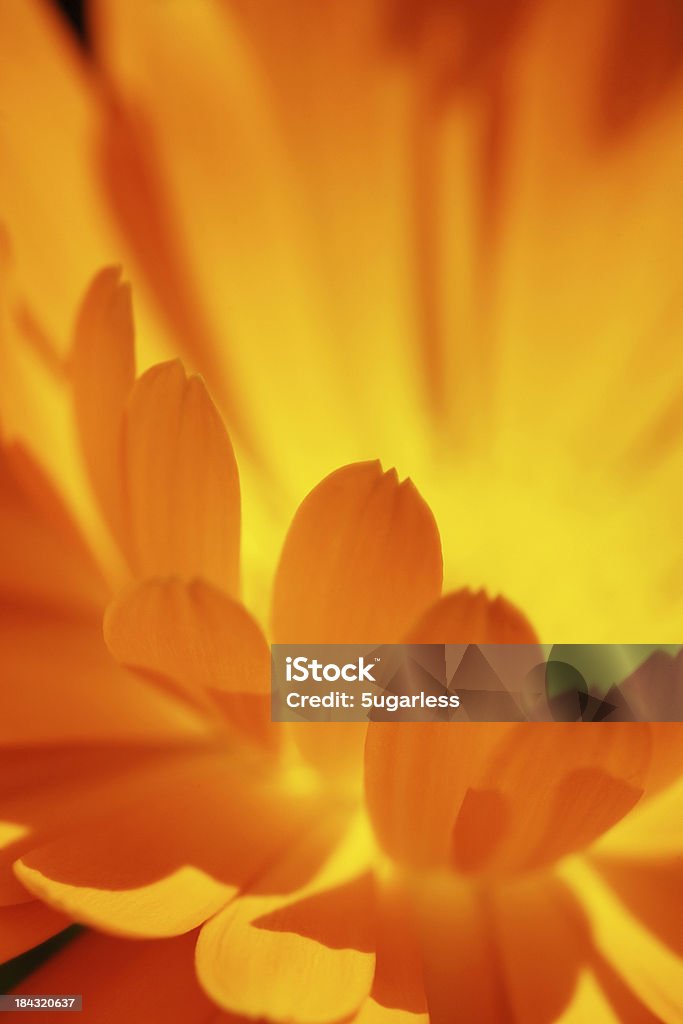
(480, 816)
(50, 200)
(49, 790)
(204, 642)
(649, 968)
(60, 685)
(398, 985)
(181, 481)
(43, 558)
(103, 371)
(652, 891)
(461, 958)
(464, 617)
(270, 261)
(26, 925)
(169, 848)
(542, 938)
(652, 830)
(308, 957)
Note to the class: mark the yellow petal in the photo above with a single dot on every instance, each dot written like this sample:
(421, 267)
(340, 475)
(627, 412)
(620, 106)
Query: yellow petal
(649, 972)
(307, 957)
(651, 890)
(180, 481)
(374, 1013)
(204, 642)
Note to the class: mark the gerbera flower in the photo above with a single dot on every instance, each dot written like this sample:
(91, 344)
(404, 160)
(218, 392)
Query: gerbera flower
(281, 186)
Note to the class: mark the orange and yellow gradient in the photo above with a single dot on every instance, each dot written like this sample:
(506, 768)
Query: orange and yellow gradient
(440, 235)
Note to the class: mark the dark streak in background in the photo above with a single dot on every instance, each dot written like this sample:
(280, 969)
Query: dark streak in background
(14, 971)
(74, 14)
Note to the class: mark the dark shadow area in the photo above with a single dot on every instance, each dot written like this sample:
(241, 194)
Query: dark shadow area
(14, 971)
(74, 13)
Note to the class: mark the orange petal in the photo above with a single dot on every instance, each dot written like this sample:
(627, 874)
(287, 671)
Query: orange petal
(464, 617)
(181, 481)
(160, 855)
(26, 925)
(499, 955)
(103, 371)
(139, 982)
(43, 559)
(501, 796)
(307, 957)
(204, 642)
(59, 233)
(60, 685)
(460, 960)
(42, 788)
(542, 940)
(361, 559)
(398, 985)
(666, 766)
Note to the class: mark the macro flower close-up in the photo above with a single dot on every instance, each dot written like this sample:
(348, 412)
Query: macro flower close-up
(254, 256)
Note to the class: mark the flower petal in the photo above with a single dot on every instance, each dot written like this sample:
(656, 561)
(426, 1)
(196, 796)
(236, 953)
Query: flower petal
(542, 940)
(362, 558)
(463, 617)
(502, 796)
(649, 970)
(48, 120)
(60, 685)
(337, 154)
(43, 558)
(652, 891)
(460, 958)
(181, 481)
(307, 957)
(169, 847)
(49, 790)
(204, 642)
(103, 372)
(360, 561)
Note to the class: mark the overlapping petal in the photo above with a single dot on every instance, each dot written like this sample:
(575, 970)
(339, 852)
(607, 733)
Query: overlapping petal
(202, 642)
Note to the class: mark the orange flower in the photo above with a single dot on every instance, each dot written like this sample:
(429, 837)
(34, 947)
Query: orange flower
(386, 229)
(331, 873)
